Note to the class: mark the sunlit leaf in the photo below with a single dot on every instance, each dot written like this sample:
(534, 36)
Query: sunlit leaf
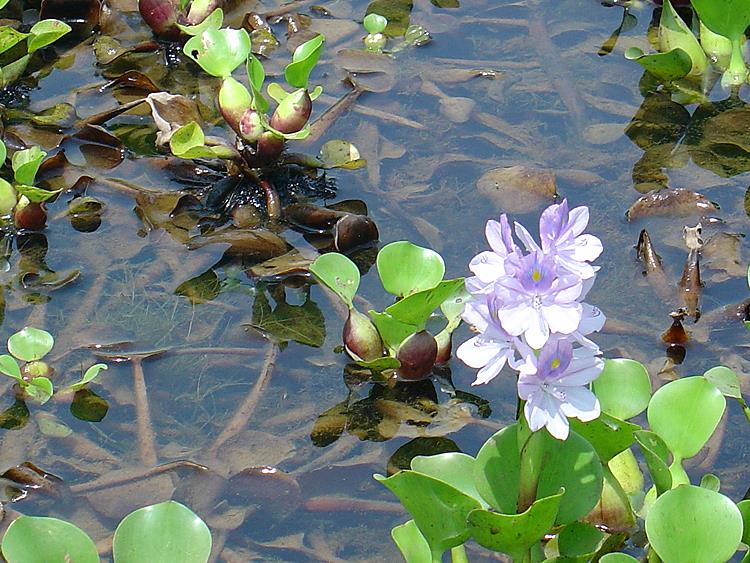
(338, 273)
(374, 23)
(725, 380)
(46, 32)
(304, 59)
(34, 194)
(668, 66)
(219, 51)
(213, 21)
(36, 539)
(200, 289)
(623, 388)
(89, 376)
(30, 344)
(9, 37)
(675, 34)
(26, 163)
(338, 153)
(397, 12)
(416, 308)
(411, 543)
(9, 367)
(406, 268)
(40, 389)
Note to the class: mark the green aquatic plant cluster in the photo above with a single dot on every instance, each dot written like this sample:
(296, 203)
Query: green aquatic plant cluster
(396, 341)
(34, 376)
(535, 498)
(160, 533)
(721, 34)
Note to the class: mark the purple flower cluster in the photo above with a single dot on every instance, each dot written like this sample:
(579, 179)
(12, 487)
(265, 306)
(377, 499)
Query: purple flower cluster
(526, 308)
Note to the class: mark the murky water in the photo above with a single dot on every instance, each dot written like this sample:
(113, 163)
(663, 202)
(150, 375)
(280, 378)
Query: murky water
(553, 104)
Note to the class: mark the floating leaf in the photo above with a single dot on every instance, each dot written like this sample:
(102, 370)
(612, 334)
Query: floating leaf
(411, 543)
(9, 38)
(304, 59)
(339, 274)
(46, 32)
(36, 539)
(302, 323)
(694, 524)
(36, 195)
(162, 533)
(725, 381)
(668, 66)
(214, 21)
(416, 308)
(340, 154)
(374, 23)
(397, 12)
(406, 268)
(9, 367)
(40, 389)
(219, 51)
(26, 163)
(623, 388)
(30, 344)
(88, 377)
(51, 426)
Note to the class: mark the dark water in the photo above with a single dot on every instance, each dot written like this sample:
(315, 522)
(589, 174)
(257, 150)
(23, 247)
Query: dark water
(554, 104)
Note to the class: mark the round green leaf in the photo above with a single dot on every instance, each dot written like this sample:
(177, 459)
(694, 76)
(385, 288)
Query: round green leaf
(405, 268)
(46, 32)
(572, 464)
(30, 344)
(32, 539)
(337, 273)
(725, 380)
(684, 413)
(694, 524)
(411, 543)
(219, 51)
(375, 23)
(9, 367)
(304, 59)
(744, 506)
(618, 558)
(623, 388)
(454, 468)
(187, 137)
(579, 538)
(668, 66)
(162, 533)
(40, 388)
(26, 163)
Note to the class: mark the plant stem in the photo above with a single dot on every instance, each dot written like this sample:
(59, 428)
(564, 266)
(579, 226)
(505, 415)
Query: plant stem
(458, 554)
(531, 452)
(737, 71)
(146, 440)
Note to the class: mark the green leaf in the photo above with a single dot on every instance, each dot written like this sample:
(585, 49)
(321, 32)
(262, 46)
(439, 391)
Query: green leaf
(26, 164)
(88, 406)
(379, 364)
(219, 51)
(694, 524)
(9, 367)
(729, 18)
(304, 59)
(392, 332)
(411, 543)
(14, 417)
(405, 268)
(276, 92)
(514, 534)
(9, 38)
(453, 468)
(669, 66)
(608, 435)
(162, 533)
(35, 539)
(674, 33)
(188, 142)
(375, 23)
(338, 153)
(725, 381)
(571, 464)
(36, 195)
(213, 21)
(200, 289)
(256, 74)
(397, 12)
(339, 274)
(3, 153)
(656, 454)
(416, 308)
(420, 494)
(684, 413)
(51, 426)
(618, 558)
(10, 73)
(302, 323)
(579, 538)
(623, 388)
(40, 389)
(711, 482)
(45, 33)
(744, 506)
(30, 344)
(88, 377)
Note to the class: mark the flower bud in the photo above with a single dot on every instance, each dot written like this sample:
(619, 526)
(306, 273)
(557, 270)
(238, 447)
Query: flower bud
(361, 338)
(250, 126)
(30, 215)
(161, 17)
(269, 146)
(293, 112)
(200, 10)
(417, 355)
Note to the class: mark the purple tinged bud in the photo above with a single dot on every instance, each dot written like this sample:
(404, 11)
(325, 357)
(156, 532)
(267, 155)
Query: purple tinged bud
(30, 215)
(417, 355)
(201, 9)
(361, 338)
(250, 126)
(293, 112)
(234, 101)
(161, 17)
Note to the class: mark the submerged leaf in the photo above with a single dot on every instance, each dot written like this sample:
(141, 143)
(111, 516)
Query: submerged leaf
(302, 323)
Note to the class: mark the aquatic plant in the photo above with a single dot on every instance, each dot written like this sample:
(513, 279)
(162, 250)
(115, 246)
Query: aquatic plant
(30, 345)
(566, 469)
(375, 39)
(395, 342)
(17, 48)
(168, 18)
(167, 531)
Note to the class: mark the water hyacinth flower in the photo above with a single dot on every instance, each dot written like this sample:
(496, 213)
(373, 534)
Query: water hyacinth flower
(554, 385)
(502, 260)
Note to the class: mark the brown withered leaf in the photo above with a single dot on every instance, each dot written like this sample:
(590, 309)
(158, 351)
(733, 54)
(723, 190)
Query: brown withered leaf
(670, 202)
(518, 189)
(170, 112)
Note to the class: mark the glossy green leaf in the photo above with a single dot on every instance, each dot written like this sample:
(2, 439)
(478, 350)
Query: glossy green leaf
(571, 464)
(416, 308)
(9, 367)
(618, 558)
(656, 455)
(276, 92)
(34, 539)
(26, 164)
(34, 194)
(9, 38)
(608, 435)
(438, 509)
(623, 388)
(162, 533)
(515, 533)
(392, 331)
(380, 364)
(3, 153)
(405, 268)
(338, 273)
(89, 376)
(45, 33)
(675, 34)
(40, 389)
(12, 72)
(87, 405)
(454, 468)
(729, 18)
(744, 507)
(375, 23)
(684, 413)
(3, 3)
(219, 51)
(725, 381)
(256, 75)
(188, 142)
(30, 344)
(411, 543)
(717, 47)
(213, 21)
(669, 66)
(579, 538)
(304, 59)
(691, 523)
(711, 482)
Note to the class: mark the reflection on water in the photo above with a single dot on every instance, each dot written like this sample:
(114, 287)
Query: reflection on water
(502, 84)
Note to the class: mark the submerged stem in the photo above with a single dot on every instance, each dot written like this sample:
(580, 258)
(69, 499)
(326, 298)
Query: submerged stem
(146, 440)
